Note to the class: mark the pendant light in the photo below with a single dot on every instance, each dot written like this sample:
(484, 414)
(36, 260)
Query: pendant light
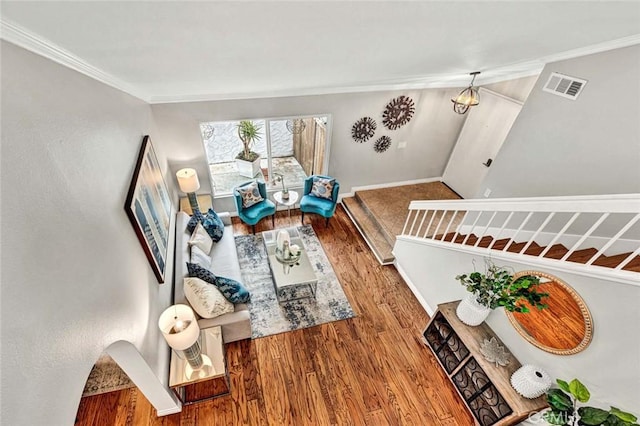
(467, 98)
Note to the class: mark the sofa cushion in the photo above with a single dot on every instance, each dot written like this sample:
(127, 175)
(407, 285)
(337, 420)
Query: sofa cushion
(250, 194)
(211, 222)
(231, 289)
(322, 188)
(206, 299)
(201, 238)
(199, 257)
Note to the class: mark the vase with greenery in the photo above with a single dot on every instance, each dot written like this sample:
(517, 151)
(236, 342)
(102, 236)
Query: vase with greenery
(564, 408)
(495, 288)
(248, 132)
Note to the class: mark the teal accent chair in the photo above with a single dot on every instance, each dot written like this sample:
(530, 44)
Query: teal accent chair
(322, 206)
(253, 214)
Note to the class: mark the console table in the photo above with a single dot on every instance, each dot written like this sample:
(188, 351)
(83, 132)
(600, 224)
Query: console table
(484, 387)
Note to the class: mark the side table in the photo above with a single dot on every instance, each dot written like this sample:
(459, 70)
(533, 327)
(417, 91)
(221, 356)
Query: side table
(204, 201)
(208, 383)
(290, 202)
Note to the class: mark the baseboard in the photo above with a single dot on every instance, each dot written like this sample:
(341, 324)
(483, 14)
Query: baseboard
(388, 185)
(413, 288)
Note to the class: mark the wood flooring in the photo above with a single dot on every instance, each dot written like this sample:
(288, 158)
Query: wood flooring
(369, 370)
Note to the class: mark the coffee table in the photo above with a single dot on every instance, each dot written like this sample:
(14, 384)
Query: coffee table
(291, 281)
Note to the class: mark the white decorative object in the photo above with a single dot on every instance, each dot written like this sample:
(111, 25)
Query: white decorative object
(205, 298)
(531, 381)
(471, 312)
(492, 351)
(282, 236)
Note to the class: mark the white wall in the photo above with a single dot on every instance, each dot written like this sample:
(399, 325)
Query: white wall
(74, 276)
(609, 366)
(430, 135)
(588, 146)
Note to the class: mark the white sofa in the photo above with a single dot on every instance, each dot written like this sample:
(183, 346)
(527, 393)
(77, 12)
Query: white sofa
(235, 325)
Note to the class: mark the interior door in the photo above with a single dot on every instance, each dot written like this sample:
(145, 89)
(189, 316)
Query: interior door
(480, 139)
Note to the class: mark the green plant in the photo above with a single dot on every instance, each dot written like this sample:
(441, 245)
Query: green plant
(497, 288)
(564, 410)
(248, 132)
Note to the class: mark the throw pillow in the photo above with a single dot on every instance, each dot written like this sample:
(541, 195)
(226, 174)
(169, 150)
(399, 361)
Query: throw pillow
(214, 225)
(250, 194)
(196, 218)
(199, 257)
(234, 291)
(231, 289)
(201, 239)
(206, 299)
(322, 188)
(211, 223)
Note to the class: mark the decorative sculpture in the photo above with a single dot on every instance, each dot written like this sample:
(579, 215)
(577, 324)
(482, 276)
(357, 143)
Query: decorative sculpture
(363, 129)
(382, 144)
(398, 112)
(492, 351)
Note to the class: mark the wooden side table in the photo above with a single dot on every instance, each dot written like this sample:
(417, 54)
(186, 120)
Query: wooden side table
(208, 383)
(204, 201)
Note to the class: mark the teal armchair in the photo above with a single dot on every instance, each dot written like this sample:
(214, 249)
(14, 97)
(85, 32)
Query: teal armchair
(254, 213)
(325, 207)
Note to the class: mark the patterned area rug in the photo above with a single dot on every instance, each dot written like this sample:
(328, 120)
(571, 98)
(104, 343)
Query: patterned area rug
(106, 376)
(268, 316)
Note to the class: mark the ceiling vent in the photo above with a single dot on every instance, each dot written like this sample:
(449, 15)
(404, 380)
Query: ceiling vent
(565, 86)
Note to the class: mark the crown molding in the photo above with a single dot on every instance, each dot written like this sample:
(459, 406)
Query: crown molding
(22, 37)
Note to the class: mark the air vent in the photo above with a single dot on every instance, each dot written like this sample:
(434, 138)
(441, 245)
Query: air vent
(565, 86)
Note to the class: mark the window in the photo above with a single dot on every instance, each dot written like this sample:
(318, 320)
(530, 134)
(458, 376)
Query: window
(294, 148)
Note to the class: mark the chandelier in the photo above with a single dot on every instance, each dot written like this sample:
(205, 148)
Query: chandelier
(467, 98)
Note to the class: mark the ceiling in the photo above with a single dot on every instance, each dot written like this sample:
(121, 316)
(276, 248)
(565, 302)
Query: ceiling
(166, 51)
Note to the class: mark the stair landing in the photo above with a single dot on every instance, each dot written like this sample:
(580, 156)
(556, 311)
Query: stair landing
(379, 214)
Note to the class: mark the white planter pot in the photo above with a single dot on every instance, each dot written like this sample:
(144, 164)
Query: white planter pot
(248, 168)
(531, 381)
(472, 313)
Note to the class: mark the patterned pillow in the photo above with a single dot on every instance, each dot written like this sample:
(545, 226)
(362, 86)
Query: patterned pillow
(211, 223)
(234, 291)
(322, 188)
(206, 299)
(201, 238)
(231, 289)
(250, 194)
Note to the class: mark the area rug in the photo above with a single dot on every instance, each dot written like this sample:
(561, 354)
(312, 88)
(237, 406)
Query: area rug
(106, 376)
(268, 316)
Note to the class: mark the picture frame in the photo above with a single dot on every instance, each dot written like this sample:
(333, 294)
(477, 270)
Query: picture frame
(148, 207)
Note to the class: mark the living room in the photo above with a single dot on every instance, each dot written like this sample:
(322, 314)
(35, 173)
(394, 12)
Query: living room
(69, 144)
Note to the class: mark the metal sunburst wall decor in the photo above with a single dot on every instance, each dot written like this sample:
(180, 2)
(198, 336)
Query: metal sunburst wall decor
(398, 112)
(363, 129)
(382, 144)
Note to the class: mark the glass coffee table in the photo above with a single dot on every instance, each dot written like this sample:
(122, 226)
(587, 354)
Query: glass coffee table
(295, 279)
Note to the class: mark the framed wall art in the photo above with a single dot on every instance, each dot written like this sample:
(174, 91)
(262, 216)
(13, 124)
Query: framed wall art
(149, 208)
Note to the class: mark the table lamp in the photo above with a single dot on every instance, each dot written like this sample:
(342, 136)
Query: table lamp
(180, 329)
(189, 183)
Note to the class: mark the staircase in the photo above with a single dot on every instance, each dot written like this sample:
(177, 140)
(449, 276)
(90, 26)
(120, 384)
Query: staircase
(590, 235)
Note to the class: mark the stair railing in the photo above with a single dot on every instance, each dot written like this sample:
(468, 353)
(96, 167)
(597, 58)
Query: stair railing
(539, 228)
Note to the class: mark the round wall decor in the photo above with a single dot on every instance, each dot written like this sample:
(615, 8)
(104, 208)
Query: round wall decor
(382, 144)
(363, 129)
(398, 112)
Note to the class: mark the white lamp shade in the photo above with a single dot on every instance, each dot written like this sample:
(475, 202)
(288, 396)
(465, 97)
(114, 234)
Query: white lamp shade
(179, 327)
(188, 180)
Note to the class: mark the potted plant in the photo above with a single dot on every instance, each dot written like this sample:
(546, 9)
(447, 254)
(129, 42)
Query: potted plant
(564, 408)
(495, 288)
(248, 161)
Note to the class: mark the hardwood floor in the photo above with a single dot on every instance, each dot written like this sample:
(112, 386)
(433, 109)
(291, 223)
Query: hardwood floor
(369, 370)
